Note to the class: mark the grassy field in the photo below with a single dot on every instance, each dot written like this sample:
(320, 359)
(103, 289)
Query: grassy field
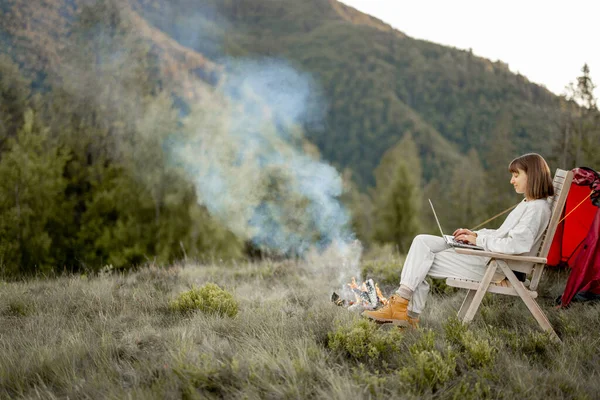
(121, 336)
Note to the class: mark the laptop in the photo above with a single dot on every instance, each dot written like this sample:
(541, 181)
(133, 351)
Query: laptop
(450, 239)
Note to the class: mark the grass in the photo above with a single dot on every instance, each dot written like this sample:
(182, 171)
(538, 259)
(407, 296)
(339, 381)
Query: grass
(119, 336)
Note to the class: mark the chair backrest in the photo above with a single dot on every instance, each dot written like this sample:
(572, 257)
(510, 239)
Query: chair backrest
(562, 183)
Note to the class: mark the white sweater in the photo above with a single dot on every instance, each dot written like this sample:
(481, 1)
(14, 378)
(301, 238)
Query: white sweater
(521, 232)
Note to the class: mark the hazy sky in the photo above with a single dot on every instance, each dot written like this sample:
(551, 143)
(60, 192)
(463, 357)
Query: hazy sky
(547, 41)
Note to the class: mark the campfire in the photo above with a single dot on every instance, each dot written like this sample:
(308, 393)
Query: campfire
(366, 296)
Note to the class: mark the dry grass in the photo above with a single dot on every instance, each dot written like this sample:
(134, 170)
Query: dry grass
(115, 336)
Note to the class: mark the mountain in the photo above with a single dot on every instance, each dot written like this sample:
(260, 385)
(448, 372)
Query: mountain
(378, 84)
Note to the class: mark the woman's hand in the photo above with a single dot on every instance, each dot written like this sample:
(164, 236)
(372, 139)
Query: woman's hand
(462, 231)
(465, 235)
(466, 238)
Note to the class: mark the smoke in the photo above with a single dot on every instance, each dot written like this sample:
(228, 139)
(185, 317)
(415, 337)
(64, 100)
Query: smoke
(242, 143)
(245, 151)
(243, 147)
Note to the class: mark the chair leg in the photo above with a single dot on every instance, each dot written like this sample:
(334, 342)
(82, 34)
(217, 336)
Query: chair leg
(531, 304)
(478, 296)
(466, 303)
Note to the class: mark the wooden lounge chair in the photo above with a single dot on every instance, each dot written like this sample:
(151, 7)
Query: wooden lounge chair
(511, 285)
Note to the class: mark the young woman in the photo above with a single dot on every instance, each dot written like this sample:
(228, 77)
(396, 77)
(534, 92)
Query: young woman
(521, 233)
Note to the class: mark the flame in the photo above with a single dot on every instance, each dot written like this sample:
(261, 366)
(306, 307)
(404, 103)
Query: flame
(356, 289)
(353, 284)
(382, 299)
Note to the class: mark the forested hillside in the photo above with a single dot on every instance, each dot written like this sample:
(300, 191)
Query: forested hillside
(379, 83)
(141, 131)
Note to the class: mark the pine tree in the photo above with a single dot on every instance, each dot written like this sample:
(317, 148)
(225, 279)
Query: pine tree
(396, 209)
(397, 195)
(405, 150)
(31, 198)
(580, 124)
(589, 121)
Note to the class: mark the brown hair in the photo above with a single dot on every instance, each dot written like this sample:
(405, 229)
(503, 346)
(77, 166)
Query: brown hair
(539, 179)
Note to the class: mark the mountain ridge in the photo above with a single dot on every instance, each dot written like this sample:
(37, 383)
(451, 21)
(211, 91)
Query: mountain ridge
(379, 83)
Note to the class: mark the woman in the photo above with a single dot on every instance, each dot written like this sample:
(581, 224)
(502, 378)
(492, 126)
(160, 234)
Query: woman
(521, 233)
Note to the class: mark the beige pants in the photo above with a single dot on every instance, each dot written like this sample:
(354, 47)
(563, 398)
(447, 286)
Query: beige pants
(431, 256)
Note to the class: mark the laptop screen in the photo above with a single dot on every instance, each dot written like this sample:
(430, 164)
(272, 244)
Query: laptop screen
(436, 218)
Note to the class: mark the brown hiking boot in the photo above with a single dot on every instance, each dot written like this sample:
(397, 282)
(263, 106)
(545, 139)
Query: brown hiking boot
(395, 311)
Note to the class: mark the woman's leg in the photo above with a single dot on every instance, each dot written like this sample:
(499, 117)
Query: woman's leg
(418, 261)
(428, 255)
(448, 264)
(420, 258)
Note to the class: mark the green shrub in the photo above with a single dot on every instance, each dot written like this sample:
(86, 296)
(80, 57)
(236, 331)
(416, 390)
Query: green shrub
(427, 369)
(210, 299)
(364, 341)
(430, 371)
(454, 330)
(477, 352)
(536, 346)
(471, 388)
(426, 342)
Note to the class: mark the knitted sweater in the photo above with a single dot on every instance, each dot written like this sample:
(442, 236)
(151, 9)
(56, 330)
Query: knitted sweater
(521, 232)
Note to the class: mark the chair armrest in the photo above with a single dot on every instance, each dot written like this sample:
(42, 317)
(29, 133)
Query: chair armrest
(515, 257)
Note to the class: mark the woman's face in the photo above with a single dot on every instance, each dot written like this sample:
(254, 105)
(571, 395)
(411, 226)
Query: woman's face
(519, 181)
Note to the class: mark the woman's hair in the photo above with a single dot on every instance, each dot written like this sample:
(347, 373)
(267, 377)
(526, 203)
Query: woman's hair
(539, 179)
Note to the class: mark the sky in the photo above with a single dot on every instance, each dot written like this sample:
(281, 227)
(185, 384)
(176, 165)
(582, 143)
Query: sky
(546, 41)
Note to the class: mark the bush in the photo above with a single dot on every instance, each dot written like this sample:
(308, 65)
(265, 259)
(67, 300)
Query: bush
(477, 352)
(471, 388)
(536, 346)
(427, 368)
(209, 299)
(425, 342)
(364, 341)
(430, 371)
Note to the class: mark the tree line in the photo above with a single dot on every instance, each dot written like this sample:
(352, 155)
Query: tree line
(85, 181)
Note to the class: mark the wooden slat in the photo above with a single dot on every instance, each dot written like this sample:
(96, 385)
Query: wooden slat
(503, 256)
(559, 204)
(482, 288)
(529, 301)
(503, 287)
(466, 304)
(561, 172)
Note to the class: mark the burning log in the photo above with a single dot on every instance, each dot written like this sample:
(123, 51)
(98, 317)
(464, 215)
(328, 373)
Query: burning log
(383, 300)
(366, 296)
